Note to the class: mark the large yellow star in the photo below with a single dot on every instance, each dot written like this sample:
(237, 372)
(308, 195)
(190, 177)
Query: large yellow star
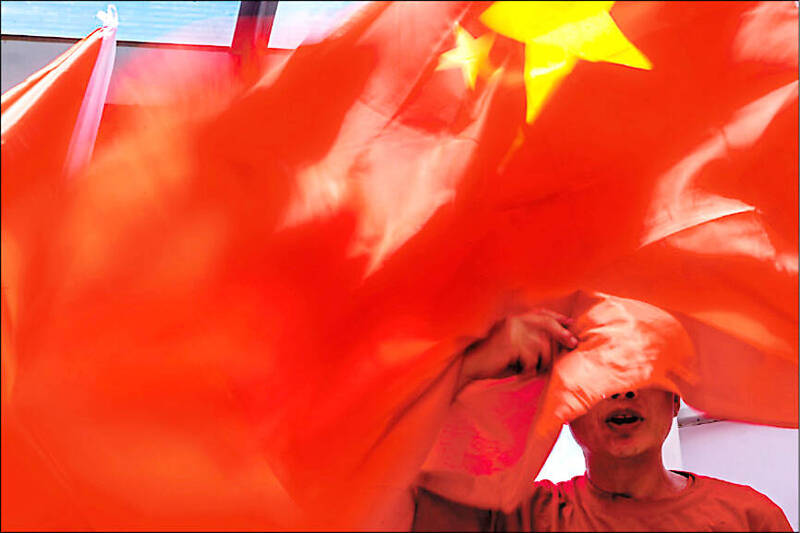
(556, 35)
(470, 54)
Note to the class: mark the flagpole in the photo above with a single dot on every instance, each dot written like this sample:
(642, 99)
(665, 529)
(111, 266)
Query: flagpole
(88, 121)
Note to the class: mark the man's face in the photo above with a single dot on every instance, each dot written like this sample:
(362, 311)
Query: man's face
(627, 424)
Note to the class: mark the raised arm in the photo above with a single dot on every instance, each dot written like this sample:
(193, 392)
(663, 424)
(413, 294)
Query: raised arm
(519, 344)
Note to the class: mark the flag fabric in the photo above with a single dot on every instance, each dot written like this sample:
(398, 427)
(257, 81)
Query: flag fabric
(39, 117)
(199, 247)
(229, 313)
(709, 177)
(49, 124)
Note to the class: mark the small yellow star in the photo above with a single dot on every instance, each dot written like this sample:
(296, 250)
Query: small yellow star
(470, 54)
(556, 35)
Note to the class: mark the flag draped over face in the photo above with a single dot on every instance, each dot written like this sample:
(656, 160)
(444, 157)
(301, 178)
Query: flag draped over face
(676, 187)
(230, 312)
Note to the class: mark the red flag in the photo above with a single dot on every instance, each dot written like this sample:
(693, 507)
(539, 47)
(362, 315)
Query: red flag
(231, 248)
(249, 300)
(49, 123)
(676, 188)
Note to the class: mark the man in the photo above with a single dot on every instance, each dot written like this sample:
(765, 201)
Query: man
(626, 486)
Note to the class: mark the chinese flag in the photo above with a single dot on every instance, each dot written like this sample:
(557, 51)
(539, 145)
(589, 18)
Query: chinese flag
(205, 325)
(675, 186)
(236, 308)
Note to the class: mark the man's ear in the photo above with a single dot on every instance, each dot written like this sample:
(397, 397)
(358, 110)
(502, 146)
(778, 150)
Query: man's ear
(676, 404)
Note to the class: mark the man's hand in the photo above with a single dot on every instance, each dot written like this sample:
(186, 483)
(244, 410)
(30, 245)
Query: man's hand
(524, 343)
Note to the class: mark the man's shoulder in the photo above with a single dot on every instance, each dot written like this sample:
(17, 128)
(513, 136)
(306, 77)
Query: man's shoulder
(722, 487)
(562, 490)
(760, 509)
(546, 484)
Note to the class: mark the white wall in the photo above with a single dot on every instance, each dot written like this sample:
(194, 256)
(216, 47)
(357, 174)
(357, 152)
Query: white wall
(763, 457)
(20, 59)
(565, 461)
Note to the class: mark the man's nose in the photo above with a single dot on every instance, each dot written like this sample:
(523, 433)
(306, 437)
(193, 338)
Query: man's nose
(630, 395)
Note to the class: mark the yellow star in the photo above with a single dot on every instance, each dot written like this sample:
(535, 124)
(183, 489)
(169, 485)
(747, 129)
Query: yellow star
(556, 35)
(470, 54)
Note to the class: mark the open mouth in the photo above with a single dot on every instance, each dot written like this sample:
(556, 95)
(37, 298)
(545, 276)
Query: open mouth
(621, 418)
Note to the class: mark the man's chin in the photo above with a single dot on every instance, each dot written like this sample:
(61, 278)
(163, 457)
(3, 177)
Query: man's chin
(625, 450)
(625, 453)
